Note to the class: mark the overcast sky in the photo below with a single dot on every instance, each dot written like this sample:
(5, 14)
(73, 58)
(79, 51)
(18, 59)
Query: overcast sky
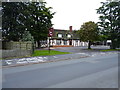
(73, 12)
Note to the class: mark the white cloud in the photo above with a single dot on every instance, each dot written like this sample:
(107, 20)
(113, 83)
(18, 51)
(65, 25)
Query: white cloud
(73, 12)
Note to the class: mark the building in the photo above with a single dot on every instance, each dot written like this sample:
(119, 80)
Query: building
(66, 38)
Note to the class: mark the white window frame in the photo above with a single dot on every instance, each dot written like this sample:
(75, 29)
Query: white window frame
(69, 35)
(60, 35)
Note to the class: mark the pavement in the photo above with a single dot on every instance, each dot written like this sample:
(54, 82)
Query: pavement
(77, 52)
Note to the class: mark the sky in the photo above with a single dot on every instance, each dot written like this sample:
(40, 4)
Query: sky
(73, 12)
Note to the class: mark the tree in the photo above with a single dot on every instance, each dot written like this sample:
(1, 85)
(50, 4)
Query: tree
(38, 20)
(18, 17)
(89, 32)
(110, 21)
(12, 28)
(27, 36)
(0, 14)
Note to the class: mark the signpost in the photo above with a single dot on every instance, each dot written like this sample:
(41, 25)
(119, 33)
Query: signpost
(51, 30)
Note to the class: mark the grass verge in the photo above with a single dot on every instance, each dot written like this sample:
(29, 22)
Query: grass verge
(39, 53)
(106, 50)
(46, 53)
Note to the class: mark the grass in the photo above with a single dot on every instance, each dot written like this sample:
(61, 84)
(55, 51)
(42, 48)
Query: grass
(46, 53)
(106, 50)
(40, 53)
(90, 49)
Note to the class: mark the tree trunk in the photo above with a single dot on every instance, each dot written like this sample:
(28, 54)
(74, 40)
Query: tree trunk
(113, 45)
(89, 45)
(38, 42)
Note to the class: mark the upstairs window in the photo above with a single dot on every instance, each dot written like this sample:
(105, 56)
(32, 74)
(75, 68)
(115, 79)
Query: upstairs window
(60, 35)
(69, 36)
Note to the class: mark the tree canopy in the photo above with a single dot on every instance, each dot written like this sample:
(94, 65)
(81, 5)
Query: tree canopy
(0, 14)
(110, 21)
(11, 29)
(89, 32)
(19, 17)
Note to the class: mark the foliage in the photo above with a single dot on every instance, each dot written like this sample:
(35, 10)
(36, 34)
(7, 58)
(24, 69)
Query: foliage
(11, 26)
(0, 16)
(89, 32)
(102, 37)
(27, 36)
(37, 19)
(110, 21)
(46, 53)
(18, 17)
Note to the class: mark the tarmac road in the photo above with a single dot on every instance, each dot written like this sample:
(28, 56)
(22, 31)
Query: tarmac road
(82, 49)
(91, 72)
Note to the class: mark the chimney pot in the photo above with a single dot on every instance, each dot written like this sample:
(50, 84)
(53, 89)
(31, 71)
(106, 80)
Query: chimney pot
(70, 28)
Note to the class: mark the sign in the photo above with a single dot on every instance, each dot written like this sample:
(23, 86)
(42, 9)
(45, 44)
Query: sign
(51, 30)
(50, 34)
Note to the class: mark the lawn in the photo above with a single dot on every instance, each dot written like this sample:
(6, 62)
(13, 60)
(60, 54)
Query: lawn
(46, 53)
(110, 50)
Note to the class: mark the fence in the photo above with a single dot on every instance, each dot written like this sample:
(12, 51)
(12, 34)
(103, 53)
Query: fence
(16, 49)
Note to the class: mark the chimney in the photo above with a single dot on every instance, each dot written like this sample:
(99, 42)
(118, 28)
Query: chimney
(70, 28)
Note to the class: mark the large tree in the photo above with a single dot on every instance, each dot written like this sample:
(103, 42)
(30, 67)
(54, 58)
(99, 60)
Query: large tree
(19, 17)
(0, 14)
(38, 20)
(89, 32)
(110, 21)
(11, 26)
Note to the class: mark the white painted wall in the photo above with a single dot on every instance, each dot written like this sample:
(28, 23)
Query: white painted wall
(74, 42)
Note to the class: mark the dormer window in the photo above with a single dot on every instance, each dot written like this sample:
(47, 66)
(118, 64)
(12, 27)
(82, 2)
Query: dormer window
(69, 36)
(60, 35)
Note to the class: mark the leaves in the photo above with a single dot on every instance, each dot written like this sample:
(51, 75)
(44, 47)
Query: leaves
(10, 22)
(89, 31)
(18, 17)
(110, 19)
(27, 36)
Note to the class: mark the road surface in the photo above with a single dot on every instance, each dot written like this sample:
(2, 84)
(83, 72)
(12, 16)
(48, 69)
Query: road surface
(92, 72)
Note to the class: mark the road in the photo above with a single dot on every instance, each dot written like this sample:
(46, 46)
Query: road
(92, 72)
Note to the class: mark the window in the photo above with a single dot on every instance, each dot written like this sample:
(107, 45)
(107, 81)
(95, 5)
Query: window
(69, 36)
(65, 42)
(60, 35)
(58, 42)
